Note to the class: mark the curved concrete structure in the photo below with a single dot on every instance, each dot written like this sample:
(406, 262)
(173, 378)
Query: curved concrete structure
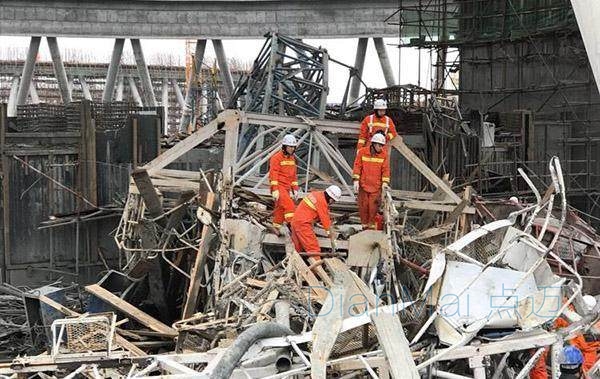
(224, 19)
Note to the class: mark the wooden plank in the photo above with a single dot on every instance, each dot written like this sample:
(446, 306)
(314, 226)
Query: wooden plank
(427, 205)
(146, 189)
(123, 306)
(5, 193)
(191, 300)
(118, 339)
(327, 326)
(321, 272)
(390, 334)
(302, 269)
(428, 215)
(190, 142)
(407, 153)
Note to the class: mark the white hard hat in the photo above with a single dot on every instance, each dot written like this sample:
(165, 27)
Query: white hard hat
(378, 138)
(334, 192)
(289, 140)
(514, 200)
(380, 104)
(590, 302)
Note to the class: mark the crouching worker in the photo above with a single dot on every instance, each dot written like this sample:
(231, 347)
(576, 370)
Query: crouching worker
(313, 207)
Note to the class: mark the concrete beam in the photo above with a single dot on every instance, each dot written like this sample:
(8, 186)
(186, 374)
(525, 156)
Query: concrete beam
(165, 105)
(223, 66)
(143, 72)
(59, 70)
(34, 46)
(386, 66)
(359, 64)
(35, 99)
(120, 86)
(85, 88)
(134, 92)
(113, 70)
(179, 94)
(189, 95)
(11, 110)
(239, 19)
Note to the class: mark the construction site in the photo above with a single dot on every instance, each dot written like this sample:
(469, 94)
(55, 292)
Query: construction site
(226, 219)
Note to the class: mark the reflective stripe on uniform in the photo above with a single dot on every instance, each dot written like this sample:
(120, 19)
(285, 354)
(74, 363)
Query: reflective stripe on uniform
(390, 136)
(276, 225)
(355, 176)
(274, 182)
(309, 203)
(372, 159)
(287, 163)
(288, 215)
(294, 183)
(361, 140)
(385, 179)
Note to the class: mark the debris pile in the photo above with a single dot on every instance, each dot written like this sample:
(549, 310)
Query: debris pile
(448, 285)
(451, 286)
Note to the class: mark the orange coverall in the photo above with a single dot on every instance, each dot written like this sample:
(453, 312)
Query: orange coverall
(312, 208)
(371, 170)
(371, 125)
(283, 178)
(588, 349)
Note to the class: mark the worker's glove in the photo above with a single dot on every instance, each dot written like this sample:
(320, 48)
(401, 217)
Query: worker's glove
(294, 195)
(275, 195)
(385, 186)
(356, 186)
(333, 244)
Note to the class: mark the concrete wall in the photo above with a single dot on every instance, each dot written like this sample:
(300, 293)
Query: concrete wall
(193, 19)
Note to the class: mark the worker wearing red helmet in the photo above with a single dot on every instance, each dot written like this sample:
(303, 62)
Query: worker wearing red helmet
(283, 179)
(377, 122)
(314, 207)
(371, 173)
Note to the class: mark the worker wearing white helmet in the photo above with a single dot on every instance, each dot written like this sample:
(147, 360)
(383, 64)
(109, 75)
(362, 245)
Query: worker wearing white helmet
(371, 173)
(314, 207)
(283, 179)
(376, 122)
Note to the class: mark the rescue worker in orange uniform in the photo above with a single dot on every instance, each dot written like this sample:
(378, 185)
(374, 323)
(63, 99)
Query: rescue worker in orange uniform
(587, 349)
(283, 179)
(314, 207)
(371, 174)
(374, 123)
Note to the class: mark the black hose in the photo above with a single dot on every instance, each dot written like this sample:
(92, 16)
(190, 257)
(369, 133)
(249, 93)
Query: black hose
(240, 346)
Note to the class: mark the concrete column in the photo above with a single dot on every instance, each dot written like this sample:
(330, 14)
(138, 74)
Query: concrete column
(11, 111)
(165, 105)
(134, 92)
(59, 70)
(34, 46)
(120, 86)
(386, 66)
(359, 64)
(113, 69)
(178, 94)
(223, 66)
(140, 61)
(85, 88)
(35, 99)
(189, 95)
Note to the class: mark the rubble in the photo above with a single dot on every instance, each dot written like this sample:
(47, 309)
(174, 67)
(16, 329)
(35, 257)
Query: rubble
(209, 290)
(453, 285)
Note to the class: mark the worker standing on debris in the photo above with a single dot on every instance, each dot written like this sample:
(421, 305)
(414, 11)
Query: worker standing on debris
(371, 174)
(314, 206)
(283, 179)
(374, 123)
